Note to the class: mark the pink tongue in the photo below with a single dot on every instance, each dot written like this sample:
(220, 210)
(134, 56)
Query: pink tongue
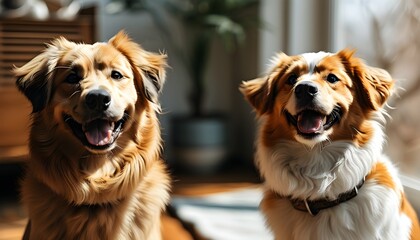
(99, 132)
(310, 122)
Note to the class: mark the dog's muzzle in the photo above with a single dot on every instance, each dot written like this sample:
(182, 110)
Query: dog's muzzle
(100, 132)
(311, 120)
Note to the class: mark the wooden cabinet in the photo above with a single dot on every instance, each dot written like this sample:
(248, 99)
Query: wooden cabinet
(20, 41)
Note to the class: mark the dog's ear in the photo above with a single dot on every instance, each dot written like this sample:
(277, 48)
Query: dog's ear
(34, 78)
(259, 94)
(373, 85)
(377, 85)
(32, 81)
(151, 66)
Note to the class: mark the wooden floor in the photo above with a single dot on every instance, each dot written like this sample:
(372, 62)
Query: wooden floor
(12, 230)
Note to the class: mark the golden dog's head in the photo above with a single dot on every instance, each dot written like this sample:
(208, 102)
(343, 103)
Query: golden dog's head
(314, 97)
(91, 94)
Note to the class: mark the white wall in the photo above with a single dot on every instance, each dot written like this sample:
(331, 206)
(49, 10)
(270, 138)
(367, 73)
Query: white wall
(273, 35)
(294, 27)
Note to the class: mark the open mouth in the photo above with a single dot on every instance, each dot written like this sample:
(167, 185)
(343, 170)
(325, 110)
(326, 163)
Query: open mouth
(98, 134)
(311, 123)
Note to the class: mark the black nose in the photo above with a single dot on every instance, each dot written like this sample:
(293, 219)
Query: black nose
(98, 100)
(306, 91)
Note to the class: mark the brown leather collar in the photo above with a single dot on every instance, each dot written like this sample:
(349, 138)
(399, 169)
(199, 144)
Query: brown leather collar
(315, 206)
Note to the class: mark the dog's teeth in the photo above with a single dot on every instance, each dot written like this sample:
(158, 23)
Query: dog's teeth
(325, 120)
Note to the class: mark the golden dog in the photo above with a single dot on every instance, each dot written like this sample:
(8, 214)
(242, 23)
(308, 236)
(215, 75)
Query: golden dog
(319, 150)
(95, 169)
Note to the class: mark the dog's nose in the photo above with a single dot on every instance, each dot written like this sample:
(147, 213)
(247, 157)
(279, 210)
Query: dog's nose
(98, 100)
(306, 91)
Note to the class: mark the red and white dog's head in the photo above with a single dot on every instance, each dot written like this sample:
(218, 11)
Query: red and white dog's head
(317, 97)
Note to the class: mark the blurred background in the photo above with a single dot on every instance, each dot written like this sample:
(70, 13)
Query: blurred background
(212, 46)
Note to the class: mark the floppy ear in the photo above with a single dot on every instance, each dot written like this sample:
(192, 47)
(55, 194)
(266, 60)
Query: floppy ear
(261, 92)
(32, 81)
(373, 85)
(377, 85)
(151, 66)
(257, 92)
(33, 78)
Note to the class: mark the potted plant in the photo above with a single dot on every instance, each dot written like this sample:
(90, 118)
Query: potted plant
(199, 138)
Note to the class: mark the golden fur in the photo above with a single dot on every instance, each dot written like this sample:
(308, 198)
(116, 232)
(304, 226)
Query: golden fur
(95, 172)
(320, 137)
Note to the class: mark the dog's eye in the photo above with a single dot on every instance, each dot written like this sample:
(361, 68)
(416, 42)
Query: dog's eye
(292, 79)
(116, 75)
(332, 78)
(73, 78)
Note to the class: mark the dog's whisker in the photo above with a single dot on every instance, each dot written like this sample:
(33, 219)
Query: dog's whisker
(73, 94)
(62, 67)
(55, 68)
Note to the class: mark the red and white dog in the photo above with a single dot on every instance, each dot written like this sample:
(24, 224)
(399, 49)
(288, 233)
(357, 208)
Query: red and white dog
(319, 150)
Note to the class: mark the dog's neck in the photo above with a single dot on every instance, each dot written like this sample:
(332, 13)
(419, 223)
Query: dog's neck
(315, 206)
(324, 171)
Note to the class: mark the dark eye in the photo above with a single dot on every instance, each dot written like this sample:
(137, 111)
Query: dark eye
(292, 79)
(332, 78)
(73, 78)
(116, 75)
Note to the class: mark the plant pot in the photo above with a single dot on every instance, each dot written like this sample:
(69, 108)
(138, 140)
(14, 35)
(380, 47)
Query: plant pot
(199, 143)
